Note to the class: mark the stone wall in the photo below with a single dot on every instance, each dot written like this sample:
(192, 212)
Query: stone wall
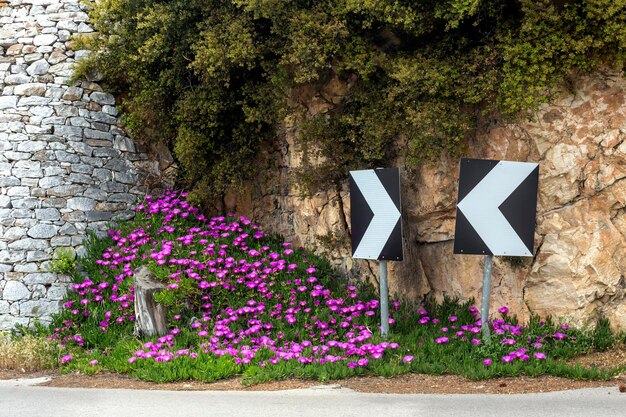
(65, 163)
(578, 269)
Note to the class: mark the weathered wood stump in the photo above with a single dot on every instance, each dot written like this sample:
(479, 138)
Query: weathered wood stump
(149, 315)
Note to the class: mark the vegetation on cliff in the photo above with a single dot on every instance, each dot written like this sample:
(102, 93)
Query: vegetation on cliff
(213, 78)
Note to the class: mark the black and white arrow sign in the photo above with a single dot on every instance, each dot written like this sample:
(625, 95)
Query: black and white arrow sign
(496, 208)
(375, 214)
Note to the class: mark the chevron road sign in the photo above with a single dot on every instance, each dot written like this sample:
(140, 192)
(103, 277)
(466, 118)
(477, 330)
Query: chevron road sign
(375, 213)
(496, 208)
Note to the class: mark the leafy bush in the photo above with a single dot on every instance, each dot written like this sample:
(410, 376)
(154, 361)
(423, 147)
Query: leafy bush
(64, 262)
(213, 78)
(602, 335)
(241, 302)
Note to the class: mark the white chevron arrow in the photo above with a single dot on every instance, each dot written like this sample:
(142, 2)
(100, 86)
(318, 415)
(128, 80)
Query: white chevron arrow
(385, 218)
(480, 207)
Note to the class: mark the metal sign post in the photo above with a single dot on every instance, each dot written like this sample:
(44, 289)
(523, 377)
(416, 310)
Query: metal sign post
(484, 312)
(384, 301)
(376, 224)
(495, 215)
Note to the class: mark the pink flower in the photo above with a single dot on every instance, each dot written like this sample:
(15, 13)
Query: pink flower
(559, 336)
(503, 310)
(93, 362)
(441, 340)
(407, 359)
(539, 355)
(66, 358)
(487, 362)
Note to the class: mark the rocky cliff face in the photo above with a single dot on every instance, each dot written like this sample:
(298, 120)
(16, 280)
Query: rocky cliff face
(578, 269)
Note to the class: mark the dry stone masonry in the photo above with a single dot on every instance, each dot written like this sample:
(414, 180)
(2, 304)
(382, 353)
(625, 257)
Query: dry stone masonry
(66, 165)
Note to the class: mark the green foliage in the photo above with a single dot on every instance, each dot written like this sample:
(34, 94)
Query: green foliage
(64, 261)
(101, 350)
(212, 78)
(603, 337)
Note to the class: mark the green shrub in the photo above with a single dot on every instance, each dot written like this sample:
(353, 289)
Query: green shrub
(214, 78)
(603, 337)
(64, 261)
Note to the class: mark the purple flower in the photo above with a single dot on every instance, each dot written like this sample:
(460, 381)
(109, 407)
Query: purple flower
(452, 319)
(487, 362)
(363, 362)
(503, 310)
(441, 340)
(559, 336)
(539, 355)
(93, 362)
(507, 359)
(508, 341)
(407, 359)
(66, 358)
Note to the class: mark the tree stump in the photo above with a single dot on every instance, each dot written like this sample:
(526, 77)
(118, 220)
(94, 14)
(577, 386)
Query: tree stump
(149, 315)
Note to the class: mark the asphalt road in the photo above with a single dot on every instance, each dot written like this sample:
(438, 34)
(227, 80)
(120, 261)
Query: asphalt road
(24, 401)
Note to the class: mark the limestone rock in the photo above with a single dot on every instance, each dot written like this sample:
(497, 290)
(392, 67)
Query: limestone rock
(46, 39)
(15, 291)
(38, 67)
(42, 231)
(81, 204)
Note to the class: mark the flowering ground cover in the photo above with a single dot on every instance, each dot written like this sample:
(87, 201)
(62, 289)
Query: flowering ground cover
(242, 302)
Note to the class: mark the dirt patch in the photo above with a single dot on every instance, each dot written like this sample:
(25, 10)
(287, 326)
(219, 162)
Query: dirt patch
(404, 384)
(603, 360)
